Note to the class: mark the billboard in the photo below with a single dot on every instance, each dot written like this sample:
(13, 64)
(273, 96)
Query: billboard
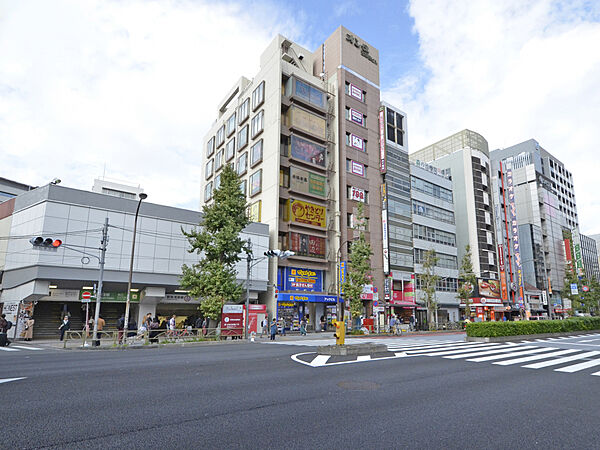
(308, 213)
(385, 230)
(355, 92)
(308, 151)
(503, 282)
(488, 288)
(307, 245)
(300, 279)
(514, 231)
(307, 182)
(577, 254)
(383, 165)
(306, 121)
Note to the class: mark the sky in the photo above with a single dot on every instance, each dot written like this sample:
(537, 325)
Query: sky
(127, 89)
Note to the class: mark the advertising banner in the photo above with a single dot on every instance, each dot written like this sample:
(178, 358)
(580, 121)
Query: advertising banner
(382, 155)
(356, 117)
(300, 279)
(577, 253)
(302, 298)
(568, 256)
(357, 142)
(306, 121)
(307, 182)
(355, 92)
(342, 272)
(514, 229)
(232, 320)
(387, 288)
(385, 230)
(503, 282)
(308, 151)
(307, 245)
(308, 213)
(357, 168)
(488, 288)
(358, 194)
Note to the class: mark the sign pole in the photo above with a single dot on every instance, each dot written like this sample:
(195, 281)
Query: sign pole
(103, 245)
(248, 261)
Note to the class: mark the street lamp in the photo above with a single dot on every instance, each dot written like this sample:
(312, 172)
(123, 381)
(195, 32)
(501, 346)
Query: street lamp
(137, 211)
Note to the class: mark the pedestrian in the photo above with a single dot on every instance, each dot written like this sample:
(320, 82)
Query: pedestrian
(101, 324)
(154, 330)
(172, 324)
(121, 327)
(205, 326)
(412, 323)
(322, 320)
(198, 325)
(392, 324)
(303, 327)
(64, 327)
(416, 320)
(29, 328)
(283, 325)
(5, 325)
(273, 329)
(264, 324)
(148, 320)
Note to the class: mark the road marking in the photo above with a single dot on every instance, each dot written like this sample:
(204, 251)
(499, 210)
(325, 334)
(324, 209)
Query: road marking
(511, 355)
(8, 380)
(363, 357)
(556, 362)
(486, 351)
(320, 360)
(463, 350)
(580, 366)
(6, 349)
(24, 347)
(535, 357)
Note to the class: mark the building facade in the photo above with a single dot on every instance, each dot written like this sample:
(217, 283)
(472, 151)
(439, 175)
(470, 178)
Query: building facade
(49, 282)
(589, 253)
(10, 189)
(303, 134)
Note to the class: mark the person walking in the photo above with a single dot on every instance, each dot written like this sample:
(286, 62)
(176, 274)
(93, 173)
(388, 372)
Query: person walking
(264, 324)
(121, 327)
(392, 324)
(283, 325)
(412, 323)
(29, 328)
(273, 329)
(205, 326)
(303, 327)
(101, 324)
(198, 325)
(4, 331)
(64, 327)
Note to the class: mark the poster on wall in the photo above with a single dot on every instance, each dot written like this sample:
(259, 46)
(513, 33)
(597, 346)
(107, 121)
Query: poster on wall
(301, 279)
(307, 121)
(357, 116)
(308, 213)
(307, 245)
(307, 182)
(356, 92)
(308, 151)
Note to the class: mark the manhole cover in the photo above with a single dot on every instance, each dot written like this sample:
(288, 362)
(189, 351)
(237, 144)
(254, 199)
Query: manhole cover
(358, 385)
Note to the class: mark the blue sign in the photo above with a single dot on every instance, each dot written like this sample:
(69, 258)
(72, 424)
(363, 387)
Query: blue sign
(299, 279)
(342, 272)
(307, 298)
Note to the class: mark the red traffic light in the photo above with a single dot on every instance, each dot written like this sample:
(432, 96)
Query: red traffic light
(40, 241)
(57, 243)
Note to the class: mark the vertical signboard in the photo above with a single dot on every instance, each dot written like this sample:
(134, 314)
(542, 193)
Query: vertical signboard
(577, 255)
(385, 231)
(232, 320)
(503, 284)
(514, 230)
(383, 165)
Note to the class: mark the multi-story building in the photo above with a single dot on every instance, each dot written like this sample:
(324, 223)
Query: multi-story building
(535, 203)
(465, 157)
(49, 283)
(434, 229)
(116, 189)
(596, 238)
(589, 253)
(398, 265)
(303, 134)
(10, 189)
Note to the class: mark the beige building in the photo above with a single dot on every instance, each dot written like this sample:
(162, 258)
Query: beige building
(303, 135)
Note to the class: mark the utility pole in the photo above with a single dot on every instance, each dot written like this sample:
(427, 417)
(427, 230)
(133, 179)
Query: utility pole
(103, 245)
(248, 261)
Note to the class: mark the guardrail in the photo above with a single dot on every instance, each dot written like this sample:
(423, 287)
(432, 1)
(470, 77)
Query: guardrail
(116, 338)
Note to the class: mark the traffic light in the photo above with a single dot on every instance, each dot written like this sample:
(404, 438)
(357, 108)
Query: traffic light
(340, 332)
(281, 254)
(272, 253)
(48, 243)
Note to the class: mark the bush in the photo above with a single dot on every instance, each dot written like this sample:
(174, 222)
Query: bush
(525, 327)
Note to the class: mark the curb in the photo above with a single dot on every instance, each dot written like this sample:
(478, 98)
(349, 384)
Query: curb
(526, 336)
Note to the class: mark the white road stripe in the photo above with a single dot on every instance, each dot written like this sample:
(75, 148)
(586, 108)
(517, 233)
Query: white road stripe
(363, 357)
(487, 351)
(452, 352)
(320, 360)
(6, 349)
(8, 380)
(24, 347)
(430, 347)
(512, 355)
(580, 366)
(535, 357)
(566, 359)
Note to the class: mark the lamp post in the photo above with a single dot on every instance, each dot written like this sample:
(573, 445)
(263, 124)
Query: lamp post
(137, 211)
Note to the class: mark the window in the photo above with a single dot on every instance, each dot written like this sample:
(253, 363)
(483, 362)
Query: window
(231, 125)
(434, 235)
(431, 189)
(219, 159)
(209, 169)
(208, 190)
(356, 142)
(217, 181)
(444, 261)
(243, 138)
(356, 116)
(243, 185)
(395, 131)
(355, 167)
(210, 147)
(310, 94)
(255, 182)
(391, 116)
(242, 164)
(355, 91)
(433, 212)
(230, 149)
(257, 123)
(244, 111)
(256, 153)
(221, 136)
(284, 177)
(258, 96)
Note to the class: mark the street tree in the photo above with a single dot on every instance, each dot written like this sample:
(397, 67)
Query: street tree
(429, 281)
(359, 266)
(467, 280)
(219, 244)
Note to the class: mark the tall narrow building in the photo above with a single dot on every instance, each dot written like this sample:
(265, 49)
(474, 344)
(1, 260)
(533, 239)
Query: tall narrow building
(303, 136)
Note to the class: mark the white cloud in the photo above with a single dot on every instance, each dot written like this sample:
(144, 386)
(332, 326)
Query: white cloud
(511, 70)
(131, 85)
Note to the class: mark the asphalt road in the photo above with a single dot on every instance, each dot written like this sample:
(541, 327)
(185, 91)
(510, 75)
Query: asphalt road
(240, 395)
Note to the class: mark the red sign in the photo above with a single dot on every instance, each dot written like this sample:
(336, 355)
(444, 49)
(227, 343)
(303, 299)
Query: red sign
(86, 295)
(232, 320)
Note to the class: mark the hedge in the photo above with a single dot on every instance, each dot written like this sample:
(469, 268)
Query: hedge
(524, 327)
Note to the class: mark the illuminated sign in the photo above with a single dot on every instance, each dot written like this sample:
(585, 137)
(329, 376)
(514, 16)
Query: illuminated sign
(514, 229)
(382, 155)
(299, 279)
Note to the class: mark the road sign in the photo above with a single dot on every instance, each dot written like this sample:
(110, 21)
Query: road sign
(585, 288)
(86, 297)
(375, 303)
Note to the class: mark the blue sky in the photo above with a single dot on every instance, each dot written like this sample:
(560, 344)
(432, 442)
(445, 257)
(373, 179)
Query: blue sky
(116, 85)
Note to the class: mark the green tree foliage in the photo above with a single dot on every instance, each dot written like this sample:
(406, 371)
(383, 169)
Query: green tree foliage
(359, 266)
(428, 284)
(219, 244)
(467, 280)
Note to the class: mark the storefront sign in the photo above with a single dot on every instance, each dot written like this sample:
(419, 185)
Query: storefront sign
(357, 117)
(342, 272)
(358, 194)
(115, 297)
(303, 298)
(382, 155)
(307, 182)
(308, 213)
(299, 279)
(306, 121)
(357, 142)
(355, 92)
(307, 245)
(232, 320)
(357, 168)
(308, 151)
(387, 288)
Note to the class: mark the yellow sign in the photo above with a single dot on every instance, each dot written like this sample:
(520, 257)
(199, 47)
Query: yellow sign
(307, 121)
(254, 211)
(308, 213)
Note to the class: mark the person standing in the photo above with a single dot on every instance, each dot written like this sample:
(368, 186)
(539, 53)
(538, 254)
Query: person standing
(392, 324)
(172, 324)
(64, 327)
(29, 328)
(101, 323)
(121, 327)
(303, 327)
(264, 327)
(3, 331)
(273, 329)
(412, 323)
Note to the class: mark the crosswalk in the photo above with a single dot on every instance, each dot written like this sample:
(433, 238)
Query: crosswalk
(18, 348)
(526, 354)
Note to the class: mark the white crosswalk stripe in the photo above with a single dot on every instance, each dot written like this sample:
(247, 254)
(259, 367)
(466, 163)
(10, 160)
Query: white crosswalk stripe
(558, 361)
(8, 349)
(511, 355)
(580, 366)
(534, 357)
(18, 348)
